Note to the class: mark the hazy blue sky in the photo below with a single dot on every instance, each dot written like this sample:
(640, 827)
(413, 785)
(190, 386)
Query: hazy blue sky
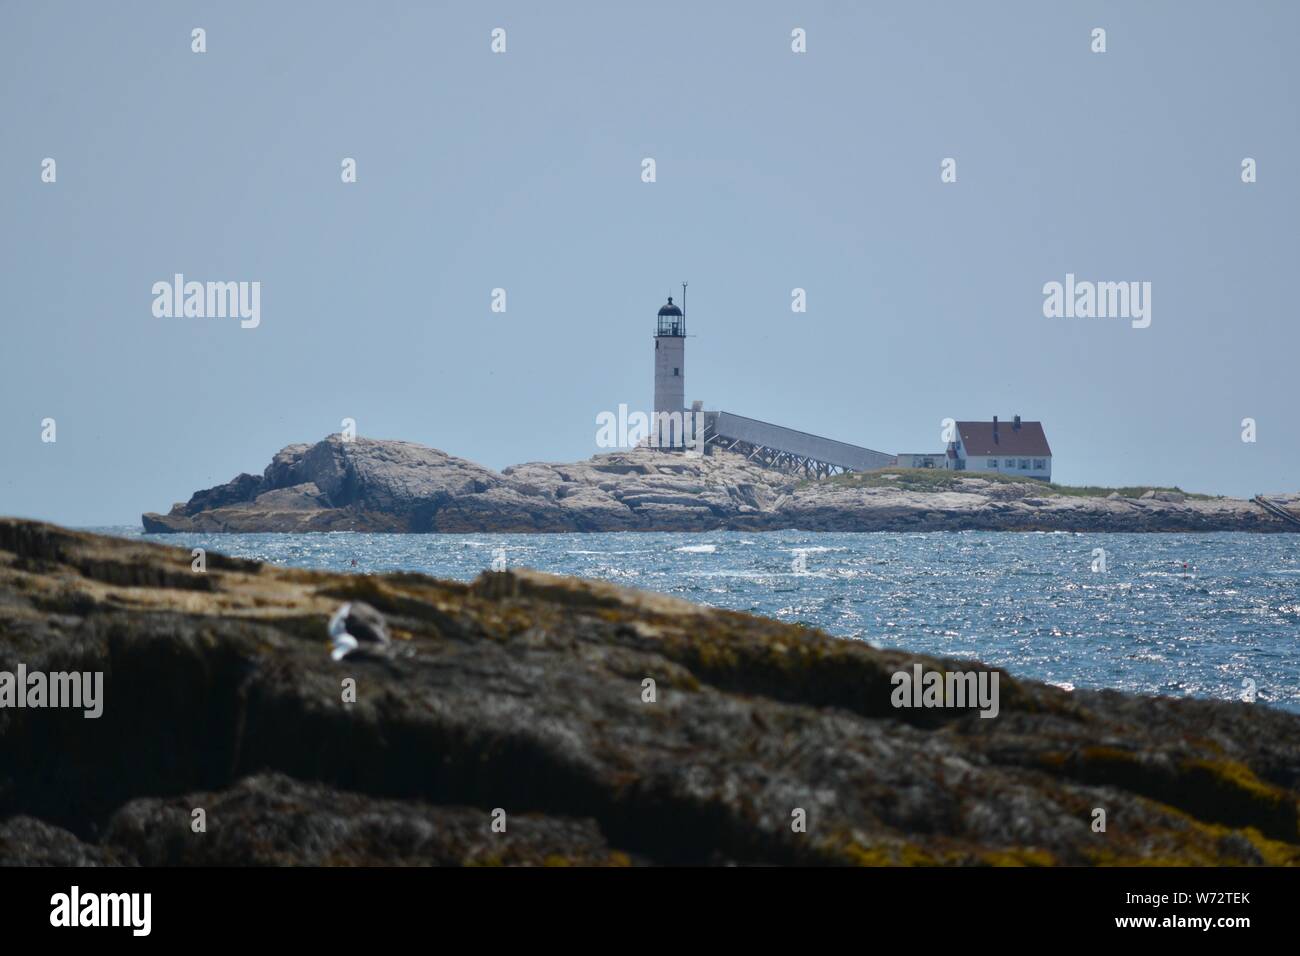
(523, 171)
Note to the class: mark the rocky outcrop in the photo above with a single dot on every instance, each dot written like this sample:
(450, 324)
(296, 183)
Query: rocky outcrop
(334, 485)
(369, 485)
(526, 694)
(983, 505)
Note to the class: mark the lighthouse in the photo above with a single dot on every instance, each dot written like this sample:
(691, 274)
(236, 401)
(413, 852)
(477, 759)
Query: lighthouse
(670, 373)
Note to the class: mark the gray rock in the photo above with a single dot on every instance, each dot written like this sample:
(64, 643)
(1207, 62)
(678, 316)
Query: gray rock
(274, 820)
(523, 691)
(370, 485)
(26, 841)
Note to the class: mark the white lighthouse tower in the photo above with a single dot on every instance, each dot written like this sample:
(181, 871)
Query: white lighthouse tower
(670, 374)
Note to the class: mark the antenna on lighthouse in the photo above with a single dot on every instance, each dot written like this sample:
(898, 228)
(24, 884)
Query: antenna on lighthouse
(683, 303)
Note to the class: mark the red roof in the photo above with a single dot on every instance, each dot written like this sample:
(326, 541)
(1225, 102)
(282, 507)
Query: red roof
(1028, 440)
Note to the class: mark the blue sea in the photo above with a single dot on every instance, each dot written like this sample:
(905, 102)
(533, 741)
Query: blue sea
(1203, 615)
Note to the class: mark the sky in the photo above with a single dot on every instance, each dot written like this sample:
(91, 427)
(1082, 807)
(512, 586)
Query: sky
(523, 170)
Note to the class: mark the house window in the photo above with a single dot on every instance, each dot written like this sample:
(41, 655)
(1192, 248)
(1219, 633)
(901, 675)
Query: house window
(1040, 464)
(993, 463)
(1011, 463)
(1024, 464)
(677, 371)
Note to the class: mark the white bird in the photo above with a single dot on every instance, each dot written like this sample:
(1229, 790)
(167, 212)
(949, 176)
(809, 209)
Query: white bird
(354, 624)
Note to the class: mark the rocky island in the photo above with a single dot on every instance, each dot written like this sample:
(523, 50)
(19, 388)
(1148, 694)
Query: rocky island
(525, 693)
(395, 486)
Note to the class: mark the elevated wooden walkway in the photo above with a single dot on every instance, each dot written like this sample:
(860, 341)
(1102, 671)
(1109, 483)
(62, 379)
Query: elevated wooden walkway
(1277, 510)
(788, 449)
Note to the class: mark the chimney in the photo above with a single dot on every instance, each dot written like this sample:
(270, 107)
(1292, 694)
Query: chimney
(995, 428)
(1016, 426)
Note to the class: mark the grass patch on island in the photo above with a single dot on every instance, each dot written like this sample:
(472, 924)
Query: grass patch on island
(936, 479)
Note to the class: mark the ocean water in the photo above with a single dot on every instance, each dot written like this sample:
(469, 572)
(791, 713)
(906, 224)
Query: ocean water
(1205, 615)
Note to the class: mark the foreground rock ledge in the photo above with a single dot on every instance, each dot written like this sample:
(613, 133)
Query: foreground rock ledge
(523, 691)
(395, 486)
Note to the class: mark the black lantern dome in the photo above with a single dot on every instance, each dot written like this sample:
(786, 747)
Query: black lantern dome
(672, 321)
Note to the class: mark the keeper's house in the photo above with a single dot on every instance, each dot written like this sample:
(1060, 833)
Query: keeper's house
(1010, 448)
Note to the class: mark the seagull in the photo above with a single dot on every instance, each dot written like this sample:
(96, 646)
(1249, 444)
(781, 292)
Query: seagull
(354, 624)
